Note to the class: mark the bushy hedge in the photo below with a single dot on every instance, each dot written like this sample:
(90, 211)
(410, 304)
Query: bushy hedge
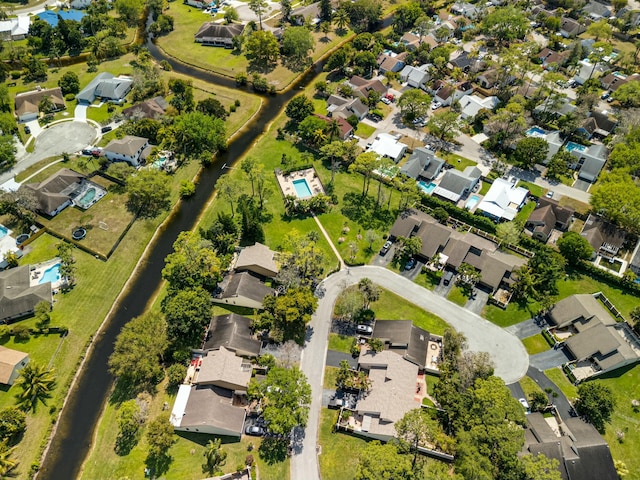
(478, 221)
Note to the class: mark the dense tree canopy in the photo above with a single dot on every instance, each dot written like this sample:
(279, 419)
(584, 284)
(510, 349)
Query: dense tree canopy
(148, 193)
(505, 24)
(297, 42)
(596, 403)
(617, 198)
(530, 151)
(195, 132)
(262, 49)
(382, 461)
(574, 247)
(193, 263)
(187, 313)
(288, 314)
(414, 103)
(299, 108)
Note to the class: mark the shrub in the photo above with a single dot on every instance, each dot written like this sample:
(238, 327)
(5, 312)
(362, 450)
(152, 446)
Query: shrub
(21, 332)
(187, 188)
(237, 103)
(232, 108)
(13, 423)
(15, 74)
(70, 97)
(241, 78)
(175, 375)
(478, 221)
(248, 460)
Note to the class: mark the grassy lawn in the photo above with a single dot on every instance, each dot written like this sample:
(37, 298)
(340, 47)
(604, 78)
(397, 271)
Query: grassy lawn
(458, 162)
(535, 344)
(534, 189)
(340, 343)
(364, 130)
(432, 381)
(340, 451)
(330, 375)
(392, 307)
(559, 378)
(100, 113)
(578, 206)
(429, 279)
(484, 188)
(529, 386)
(457, 297)
(524, 213)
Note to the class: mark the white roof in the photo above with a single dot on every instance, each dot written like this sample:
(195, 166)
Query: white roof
(472, 104)
(387, 145)
(503, 199)
(180, 405)
(17, 26)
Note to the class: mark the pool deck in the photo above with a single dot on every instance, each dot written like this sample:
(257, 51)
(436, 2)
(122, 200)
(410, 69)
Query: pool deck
(8, 243)
(38, 270)
(285, 181)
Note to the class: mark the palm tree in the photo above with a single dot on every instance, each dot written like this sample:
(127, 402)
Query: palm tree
(214, 456)
(36, 383)
(319, 137)
(333, 129)
(341, 19)
(7, 464)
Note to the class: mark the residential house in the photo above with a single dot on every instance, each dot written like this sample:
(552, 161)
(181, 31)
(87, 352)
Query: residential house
(338, 106)
(232, 332)
(258, 259)
(27, 105)
(465, 9)
(472, 104)
(597, 125)
(467, 63)
(605, 238)
(556, 107)
(391, 62)
(494, 78)
(596, 10)
(152, 108)
(570, 28)
(551, 60)
(581, 452)
(387, 145)
(79, 4)
(503, 201)
(57, 192)
(218, 35)
(18, 296)
(412, 41)
(547, 216)
(298, 16)
(106, 87)
(591, 160)
(15, 28)
(444, 94)
(213, 399)
(393, 387)
(131, 149)
(415, 77)
(410, 342)
(52, 17)
(346, 130)
(422, 164)
(456, 184)
(587, 70)
(361, 86)
(243, 290)
(11, 362)
(615, 80)
(597, 342)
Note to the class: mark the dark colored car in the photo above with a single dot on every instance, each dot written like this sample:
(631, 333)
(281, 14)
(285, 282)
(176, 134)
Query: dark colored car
(410, 264)
(27, 129)
(106, 129)
(255, 430)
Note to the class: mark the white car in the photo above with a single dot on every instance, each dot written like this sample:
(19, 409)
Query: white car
(435, 105)
(549, 194)
(525, 404)
(385, 100)
(364, 329)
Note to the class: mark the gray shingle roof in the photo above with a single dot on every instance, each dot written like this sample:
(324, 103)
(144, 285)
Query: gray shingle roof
(232, 332)
(17, 296)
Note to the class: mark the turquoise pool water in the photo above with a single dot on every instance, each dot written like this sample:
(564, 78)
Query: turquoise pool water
(87, 198)
(427, 188)
(535, 132)
(3, 231)
(302, 188)
(472, 202)
(159, 163)
(571, 146)
(51, 274)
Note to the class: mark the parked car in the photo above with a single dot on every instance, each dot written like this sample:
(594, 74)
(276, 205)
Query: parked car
(255, 431)
(385, 100)
(87, 151)
(410, 264)
(364, 329)
(27, 129)
(525, 404)
(106, 129)
(610, 99)
(337, 403)
(448, 276)
(390, 97)
(385, 247)
(374, 117)
(549, 194)
(435, 105)
(605, 95)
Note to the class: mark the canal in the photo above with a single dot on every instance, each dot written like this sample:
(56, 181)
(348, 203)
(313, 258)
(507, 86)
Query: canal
(79, 418)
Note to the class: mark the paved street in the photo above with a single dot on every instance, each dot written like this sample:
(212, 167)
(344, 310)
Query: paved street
(507, 352)
(565, 410)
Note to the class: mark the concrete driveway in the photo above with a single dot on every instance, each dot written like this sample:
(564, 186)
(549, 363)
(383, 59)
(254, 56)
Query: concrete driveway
(478, 300)
(550, 359)
(528, 328)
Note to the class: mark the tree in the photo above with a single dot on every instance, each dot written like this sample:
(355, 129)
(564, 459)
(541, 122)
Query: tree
(601, 30)
(285, 10)
(230, 15)
(13, 423)
(371, 237)
(417, 428)
(148, 193)
(5, 101)
(312, 130)
(300, 261)
(299, 108)
(297, 42)
(325, 10)
(230, 189)
(285, 395)
(138, 350)
(444, 125)
(596, 403)
(530, 151)
(405, 17)
(364, 15)
(341, 19)
(251, 226)
(36, 383)
(69, 83)
(187, 313)
(43, 314)
(628, 95)
(215, 457)
(195, 132)
(259, 7)
(379, 461)
(365, 164)
(193, 263)
(160, 439)
(7, 464)
(67, 262)
(618, 199)
(129, 422)
(540, 467)
(413, 104)
(129, 11)
(505, 24)
(288, 314)
(250, 167)
(509, 232)
(468, 276)
(223, 234)
(212, 107)
(559, 165)
(574, 247)
(8, 152)
(370, 292)
(348, 303)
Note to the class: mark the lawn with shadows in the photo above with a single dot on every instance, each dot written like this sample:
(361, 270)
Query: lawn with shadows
(340, 450)
(535, 344)
(429, 279)
(340, 343)
(393, 307)
(330, 377)
(457, 296)
(557, 376)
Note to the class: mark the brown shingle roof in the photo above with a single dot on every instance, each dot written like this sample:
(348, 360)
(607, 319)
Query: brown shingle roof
(28, 102)
(8, 360)
(55, 190)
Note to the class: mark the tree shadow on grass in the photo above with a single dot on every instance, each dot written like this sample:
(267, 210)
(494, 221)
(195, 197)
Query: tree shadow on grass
(273, 450)
(158, 464)
(363, 210)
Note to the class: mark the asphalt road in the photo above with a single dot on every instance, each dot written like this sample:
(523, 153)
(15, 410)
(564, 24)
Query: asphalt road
(507, 352)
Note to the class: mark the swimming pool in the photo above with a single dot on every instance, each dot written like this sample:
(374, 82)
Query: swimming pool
(303, 190)
(427, 188)
(571, 146)
(87, 198)
(3, 231)
(51, 274)
(535, 132)
(472, 202)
